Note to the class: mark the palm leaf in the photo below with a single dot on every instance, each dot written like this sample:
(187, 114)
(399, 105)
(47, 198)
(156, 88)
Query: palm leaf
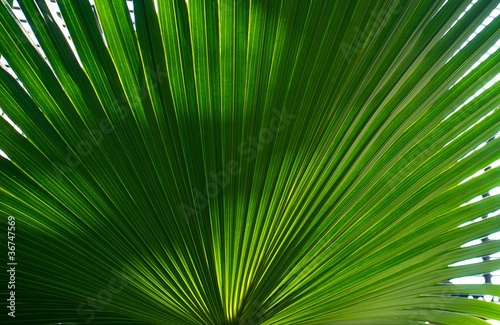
(250, 162)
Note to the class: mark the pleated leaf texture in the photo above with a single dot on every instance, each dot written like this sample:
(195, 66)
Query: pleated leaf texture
(249, 162)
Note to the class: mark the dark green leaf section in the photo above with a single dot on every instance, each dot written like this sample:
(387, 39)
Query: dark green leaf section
(249, 162)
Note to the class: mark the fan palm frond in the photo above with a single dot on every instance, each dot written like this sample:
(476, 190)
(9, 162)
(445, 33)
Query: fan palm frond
(250, 161)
